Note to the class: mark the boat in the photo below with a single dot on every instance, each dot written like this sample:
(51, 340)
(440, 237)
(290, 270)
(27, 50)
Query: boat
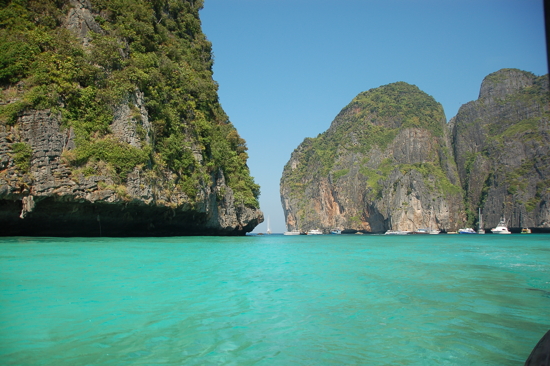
(452, 232)
(467, 230)
(336, 231)
(315, 232)
(293, 232)
(426, 231)
(268, 229)
(525, 229)
(397, 232)
(501, 227)
(480, 229)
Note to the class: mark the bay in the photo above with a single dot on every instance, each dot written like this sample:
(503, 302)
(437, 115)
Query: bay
(274, 300)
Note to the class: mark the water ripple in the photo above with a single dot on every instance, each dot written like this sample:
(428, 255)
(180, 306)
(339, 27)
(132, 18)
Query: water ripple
(442, 300)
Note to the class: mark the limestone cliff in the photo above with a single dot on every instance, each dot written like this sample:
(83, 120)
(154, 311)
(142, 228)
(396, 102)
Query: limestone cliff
(389, 161)
(110, 124)
(385, 163)
(502, 147)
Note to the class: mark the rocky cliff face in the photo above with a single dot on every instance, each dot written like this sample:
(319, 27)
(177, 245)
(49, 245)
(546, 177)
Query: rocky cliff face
(79, 157)
(389, 161)
(502, 148)
(385, 163)
(51, 199)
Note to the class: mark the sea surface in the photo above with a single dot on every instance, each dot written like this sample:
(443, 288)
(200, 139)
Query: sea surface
(274, 300)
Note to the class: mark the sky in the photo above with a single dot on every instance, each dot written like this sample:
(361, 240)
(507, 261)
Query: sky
(286, 68)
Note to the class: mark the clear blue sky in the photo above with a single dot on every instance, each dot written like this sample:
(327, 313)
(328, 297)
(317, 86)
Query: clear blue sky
(285, 68)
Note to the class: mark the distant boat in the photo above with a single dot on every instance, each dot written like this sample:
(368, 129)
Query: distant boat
(293, 232)
(268, 229)
(452, 232)
(397, 232)
(315, 232)
(336, 231)
(426, 231)
(525, 229)
(501, 227)
(467, 230)
(480, 229)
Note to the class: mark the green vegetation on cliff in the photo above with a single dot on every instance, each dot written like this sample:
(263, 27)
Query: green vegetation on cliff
(390, 160)
(500, 143)
(152, 47)
(401, 104)
(384, 163)
(373, 120)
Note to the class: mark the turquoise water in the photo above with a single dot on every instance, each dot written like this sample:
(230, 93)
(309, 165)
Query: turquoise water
(274, 300)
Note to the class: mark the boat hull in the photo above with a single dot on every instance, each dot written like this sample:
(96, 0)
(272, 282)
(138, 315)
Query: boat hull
(315, 232)
(397, 232)
(501, 228)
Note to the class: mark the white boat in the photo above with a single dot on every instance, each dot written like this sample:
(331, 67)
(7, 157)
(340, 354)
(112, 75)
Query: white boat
(501, 227)
(315, 232)
(397, 232)
(480, 229)
(467, 230)
(336, 231)
(426, 231)
(268, 229)
(293, 232)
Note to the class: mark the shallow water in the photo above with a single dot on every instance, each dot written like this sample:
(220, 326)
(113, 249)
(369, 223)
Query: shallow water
(274, 300)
